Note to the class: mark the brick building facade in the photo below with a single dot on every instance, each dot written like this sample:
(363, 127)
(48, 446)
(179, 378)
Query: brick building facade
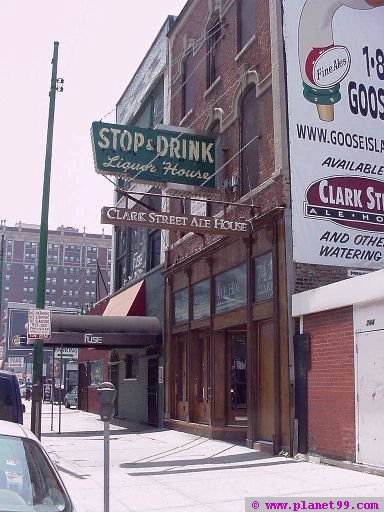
(228, 78)
(78, 266)
(331, 384)
(236, 364)
(226, 322)
(343, 324)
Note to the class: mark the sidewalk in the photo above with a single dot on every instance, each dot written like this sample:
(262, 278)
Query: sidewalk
(165, 470)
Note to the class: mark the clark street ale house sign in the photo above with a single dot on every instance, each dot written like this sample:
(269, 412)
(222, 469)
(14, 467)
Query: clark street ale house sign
(189, 223)
(154, 155)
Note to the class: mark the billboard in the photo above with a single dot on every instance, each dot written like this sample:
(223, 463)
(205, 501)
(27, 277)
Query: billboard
(154, 156)
(335, 87)
(17, 330)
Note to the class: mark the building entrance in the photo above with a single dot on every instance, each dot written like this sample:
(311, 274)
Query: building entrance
(201, 377)
(236, 378)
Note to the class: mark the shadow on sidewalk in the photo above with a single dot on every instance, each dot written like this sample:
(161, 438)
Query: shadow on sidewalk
(98, 433)
(216, 462)
(171, 467)
(201, 470)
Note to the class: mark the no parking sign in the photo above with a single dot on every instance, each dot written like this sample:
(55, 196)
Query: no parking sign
(39, 324)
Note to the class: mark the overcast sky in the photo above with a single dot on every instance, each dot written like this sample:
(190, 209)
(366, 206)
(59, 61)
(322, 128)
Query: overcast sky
(101, 45)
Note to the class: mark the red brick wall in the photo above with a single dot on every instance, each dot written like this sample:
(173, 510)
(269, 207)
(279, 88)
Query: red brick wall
(331, 384)
(257, 56)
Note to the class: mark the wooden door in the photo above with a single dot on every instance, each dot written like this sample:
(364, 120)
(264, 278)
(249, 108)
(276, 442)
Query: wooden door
(181, 377)
(236, 385)
(200, 393)
(266, 380)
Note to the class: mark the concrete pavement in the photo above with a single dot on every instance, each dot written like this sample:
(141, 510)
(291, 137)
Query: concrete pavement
(165, 470)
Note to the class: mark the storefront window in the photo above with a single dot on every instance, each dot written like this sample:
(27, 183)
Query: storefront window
(181, 305)
(201, 300)
(263, 277)
(231, 289)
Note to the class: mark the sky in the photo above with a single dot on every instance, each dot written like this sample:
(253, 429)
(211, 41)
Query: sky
(101, 44)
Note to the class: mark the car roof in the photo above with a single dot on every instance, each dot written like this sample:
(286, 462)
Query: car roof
(9, 375)
(8, 428)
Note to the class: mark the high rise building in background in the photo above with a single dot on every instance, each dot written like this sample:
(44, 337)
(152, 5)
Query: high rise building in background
(78, 267)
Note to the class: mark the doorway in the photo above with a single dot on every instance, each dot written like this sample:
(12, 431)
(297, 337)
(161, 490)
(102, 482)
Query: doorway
(181, 406)
(370, 397)
(152, 390)
(201, 377)
(266, 380)
(236, 377)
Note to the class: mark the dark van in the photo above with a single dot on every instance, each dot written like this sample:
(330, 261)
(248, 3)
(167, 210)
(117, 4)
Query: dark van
(11, 408)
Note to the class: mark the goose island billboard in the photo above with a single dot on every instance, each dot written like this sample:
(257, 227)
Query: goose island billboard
(335, 84)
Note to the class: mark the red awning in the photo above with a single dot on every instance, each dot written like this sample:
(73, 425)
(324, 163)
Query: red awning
(130, 302)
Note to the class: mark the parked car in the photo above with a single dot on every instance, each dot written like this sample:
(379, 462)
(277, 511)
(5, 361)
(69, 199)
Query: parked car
(70, 399)
(11, 408)
(29, 481)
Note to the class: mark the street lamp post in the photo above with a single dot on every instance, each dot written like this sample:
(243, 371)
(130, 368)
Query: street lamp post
(37, 386)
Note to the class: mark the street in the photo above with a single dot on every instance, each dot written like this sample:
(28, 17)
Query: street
(154, 470)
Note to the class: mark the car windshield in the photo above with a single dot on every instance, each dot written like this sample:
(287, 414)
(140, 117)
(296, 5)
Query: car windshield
(27, 481)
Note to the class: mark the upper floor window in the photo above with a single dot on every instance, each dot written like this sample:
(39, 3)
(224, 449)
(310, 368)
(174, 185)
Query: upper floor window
(30, 251)
(151, 114)
(187, 85)
(246, 20)
(154, 248)
(213, 35)
(9, 251)
(249, 156)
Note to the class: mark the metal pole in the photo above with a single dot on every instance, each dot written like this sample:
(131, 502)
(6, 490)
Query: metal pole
(1, 274)
(106, 466)
(61, 383)
(52, 385)
(38, 351)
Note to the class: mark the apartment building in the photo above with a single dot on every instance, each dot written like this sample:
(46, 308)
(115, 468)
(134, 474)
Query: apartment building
(78, 267)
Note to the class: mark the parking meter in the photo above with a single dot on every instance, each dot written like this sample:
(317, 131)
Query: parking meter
(107, 394)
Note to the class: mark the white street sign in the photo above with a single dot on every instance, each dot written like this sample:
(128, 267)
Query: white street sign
(39, 324)
(15, 362)
(65, 352)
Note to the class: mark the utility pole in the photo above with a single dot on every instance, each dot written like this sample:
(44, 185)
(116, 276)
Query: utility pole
(1, 279)
(38, 351)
